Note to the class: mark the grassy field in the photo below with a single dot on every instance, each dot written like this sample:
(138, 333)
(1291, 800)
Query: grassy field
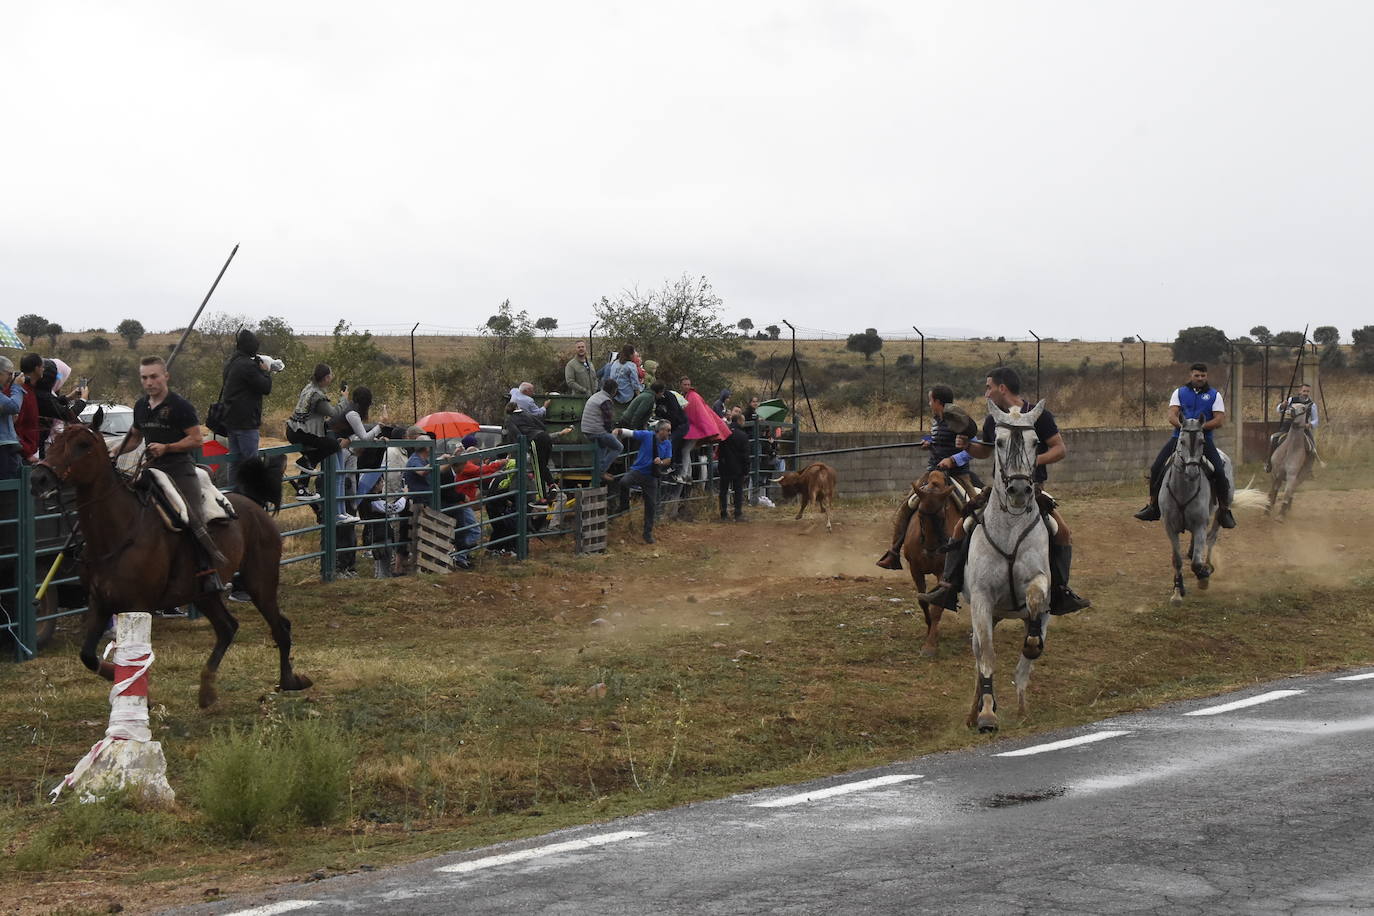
(521, 698)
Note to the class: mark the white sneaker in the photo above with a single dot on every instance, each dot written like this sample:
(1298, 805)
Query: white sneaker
(344, 518)
(306, 496)
(766, 502)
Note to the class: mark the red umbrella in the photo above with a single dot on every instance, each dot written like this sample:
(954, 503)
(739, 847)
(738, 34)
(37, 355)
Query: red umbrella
(211, 448)
(448, 424)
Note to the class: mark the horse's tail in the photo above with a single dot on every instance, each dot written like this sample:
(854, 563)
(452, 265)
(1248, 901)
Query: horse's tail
(1249, 498)
(260, 479)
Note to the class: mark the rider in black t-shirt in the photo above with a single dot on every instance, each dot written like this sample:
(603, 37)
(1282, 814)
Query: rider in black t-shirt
(1003, 389)
(167, 423)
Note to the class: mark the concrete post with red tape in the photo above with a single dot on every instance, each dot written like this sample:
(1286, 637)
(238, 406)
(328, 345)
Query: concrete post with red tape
(127, 756)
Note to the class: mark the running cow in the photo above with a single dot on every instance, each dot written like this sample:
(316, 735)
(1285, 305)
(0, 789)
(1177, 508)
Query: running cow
(814, 483)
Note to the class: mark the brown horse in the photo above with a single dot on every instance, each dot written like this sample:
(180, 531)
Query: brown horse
(934, 520)
(130, 560)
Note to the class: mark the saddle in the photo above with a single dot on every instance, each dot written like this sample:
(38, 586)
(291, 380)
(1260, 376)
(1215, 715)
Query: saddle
(214, 506)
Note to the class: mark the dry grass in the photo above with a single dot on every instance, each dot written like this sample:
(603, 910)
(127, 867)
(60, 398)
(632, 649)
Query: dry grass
(522, 698)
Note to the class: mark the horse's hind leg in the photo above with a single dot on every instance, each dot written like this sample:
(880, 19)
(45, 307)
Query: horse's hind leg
(211, 605)
(261, 584)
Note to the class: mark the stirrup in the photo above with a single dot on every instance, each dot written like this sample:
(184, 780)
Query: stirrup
(944, 595)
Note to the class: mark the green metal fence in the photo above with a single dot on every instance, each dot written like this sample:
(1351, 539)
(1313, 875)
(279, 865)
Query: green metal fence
(503, 516)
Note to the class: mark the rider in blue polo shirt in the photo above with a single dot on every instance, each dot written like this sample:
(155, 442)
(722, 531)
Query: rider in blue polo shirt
(1196, 400)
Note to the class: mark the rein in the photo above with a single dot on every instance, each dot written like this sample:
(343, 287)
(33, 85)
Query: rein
(1182, 461)
(1016, 456)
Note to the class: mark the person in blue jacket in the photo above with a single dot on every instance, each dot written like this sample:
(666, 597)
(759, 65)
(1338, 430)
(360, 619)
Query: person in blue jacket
(655, 456)
(1197, 400)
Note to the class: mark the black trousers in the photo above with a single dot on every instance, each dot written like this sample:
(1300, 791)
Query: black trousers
(735, 481)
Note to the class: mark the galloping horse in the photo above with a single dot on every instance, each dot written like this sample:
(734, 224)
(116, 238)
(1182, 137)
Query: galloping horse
(1008, 571)
(934, 521)
(132, 562)
(1187, 503)
(1291, 461)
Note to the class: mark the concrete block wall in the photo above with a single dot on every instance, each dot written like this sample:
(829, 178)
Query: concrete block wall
(1095, 456)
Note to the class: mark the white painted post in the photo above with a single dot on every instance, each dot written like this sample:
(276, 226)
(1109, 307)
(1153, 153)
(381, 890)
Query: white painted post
(127, 755)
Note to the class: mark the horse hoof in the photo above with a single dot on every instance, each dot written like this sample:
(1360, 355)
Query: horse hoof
(1202, 582)
(1032, 647)
(1176, 599)
(987, 724)
(208, 697)
(927, 652)
(298, 682)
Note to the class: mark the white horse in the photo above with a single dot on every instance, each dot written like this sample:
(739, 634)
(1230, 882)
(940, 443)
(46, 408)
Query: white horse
(1008, 571)
(1290, 460)
(1187, 503)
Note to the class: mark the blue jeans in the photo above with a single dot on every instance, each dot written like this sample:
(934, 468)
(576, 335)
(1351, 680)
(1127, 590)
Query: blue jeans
(243, 444)
(468, 534)
(608, 447)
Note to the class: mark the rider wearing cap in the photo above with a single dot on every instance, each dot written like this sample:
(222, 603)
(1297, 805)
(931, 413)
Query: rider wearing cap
(1304, 396)
(1004, 390)
(947, 423)
(1196, 400)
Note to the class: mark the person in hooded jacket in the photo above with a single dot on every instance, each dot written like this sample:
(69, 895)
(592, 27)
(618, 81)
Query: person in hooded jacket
(247, 380)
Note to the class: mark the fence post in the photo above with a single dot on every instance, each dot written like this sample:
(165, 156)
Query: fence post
(329, 534)
(1237, 406)
(24, 574)
(436, 486)
(522, 498)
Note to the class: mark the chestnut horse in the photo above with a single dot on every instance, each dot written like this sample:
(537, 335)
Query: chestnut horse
(934, 521)
(130, 560)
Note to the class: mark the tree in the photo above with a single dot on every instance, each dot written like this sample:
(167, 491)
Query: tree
(906, 361)
(547, 325)
(98, 343)
(1201, 344)
(32, 327)
(1262, 335)
(52, 332)
(131, 329)
(1128, 339)
(1291, 339)
(1363, 339)
(746, 325)
(502, 324)
(1327, 336)
(1249, 353)
(866, 343)
(679, 325)
(774, 332)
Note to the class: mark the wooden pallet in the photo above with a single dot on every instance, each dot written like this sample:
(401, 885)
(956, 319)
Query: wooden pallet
(592, 519)
(432, 540)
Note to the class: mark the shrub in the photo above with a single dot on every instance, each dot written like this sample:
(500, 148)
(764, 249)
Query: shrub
(240, 786)
(322, 755)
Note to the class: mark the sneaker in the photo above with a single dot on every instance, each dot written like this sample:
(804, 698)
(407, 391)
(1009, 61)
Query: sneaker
(1064, 600)
(344, 518)
(648, 539)
(460, 561)
(741, 518)
(171, 613)
(240, 596)
(305, 496)
(765, 502)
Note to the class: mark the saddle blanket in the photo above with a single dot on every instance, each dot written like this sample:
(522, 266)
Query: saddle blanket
(214, 505)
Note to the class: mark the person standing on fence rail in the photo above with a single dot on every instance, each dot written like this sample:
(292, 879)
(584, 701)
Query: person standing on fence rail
(654, 456)
(947, 423)
(247, 380)
(668, 407)
(1197, 400)
(308, 427)
(26, 422)
(1004, 390)
(625, 373)
(598, 419)
(11, 401)
(578, 376)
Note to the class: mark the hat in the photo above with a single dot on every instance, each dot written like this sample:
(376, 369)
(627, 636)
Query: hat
(247, 342)
(416, 432)
(959, 422)
(469, 441)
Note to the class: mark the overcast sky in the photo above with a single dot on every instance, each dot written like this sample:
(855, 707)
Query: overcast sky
(1085, 169)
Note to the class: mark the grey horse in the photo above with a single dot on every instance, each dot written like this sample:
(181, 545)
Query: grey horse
(1290, 460)
(1187, 503)
(1008, 573)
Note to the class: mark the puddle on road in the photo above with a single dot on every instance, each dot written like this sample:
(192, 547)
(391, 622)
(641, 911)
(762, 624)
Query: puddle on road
(1008, 799)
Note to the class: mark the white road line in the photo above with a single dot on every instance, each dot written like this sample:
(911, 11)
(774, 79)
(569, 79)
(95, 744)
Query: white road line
(1059, 745)
(1356, 677)
(538, 851)
(1241, 704)
(844, 789)
(272, 909)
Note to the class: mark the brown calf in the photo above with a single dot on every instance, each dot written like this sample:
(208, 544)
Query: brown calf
(813, 483)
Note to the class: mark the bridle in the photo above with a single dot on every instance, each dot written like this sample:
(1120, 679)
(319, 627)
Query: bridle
(1015, 457)
(1183, 460)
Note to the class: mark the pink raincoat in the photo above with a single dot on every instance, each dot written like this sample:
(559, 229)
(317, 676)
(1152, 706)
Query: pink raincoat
(703, 422)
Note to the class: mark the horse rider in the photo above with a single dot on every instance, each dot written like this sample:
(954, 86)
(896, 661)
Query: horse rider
(1304, 396)
(167, 423)
(947, 422)
(1196, 400)
(1004, 390)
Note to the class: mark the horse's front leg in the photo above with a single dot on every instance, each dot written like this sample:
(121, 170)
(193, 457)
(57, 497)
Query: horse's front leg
(1202, 541)
(1177, 597)
(97, 622)
(985, 700)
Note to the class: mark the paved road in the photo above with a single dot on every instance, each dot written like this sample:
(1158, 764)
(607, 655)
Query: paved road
(1261, 801)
